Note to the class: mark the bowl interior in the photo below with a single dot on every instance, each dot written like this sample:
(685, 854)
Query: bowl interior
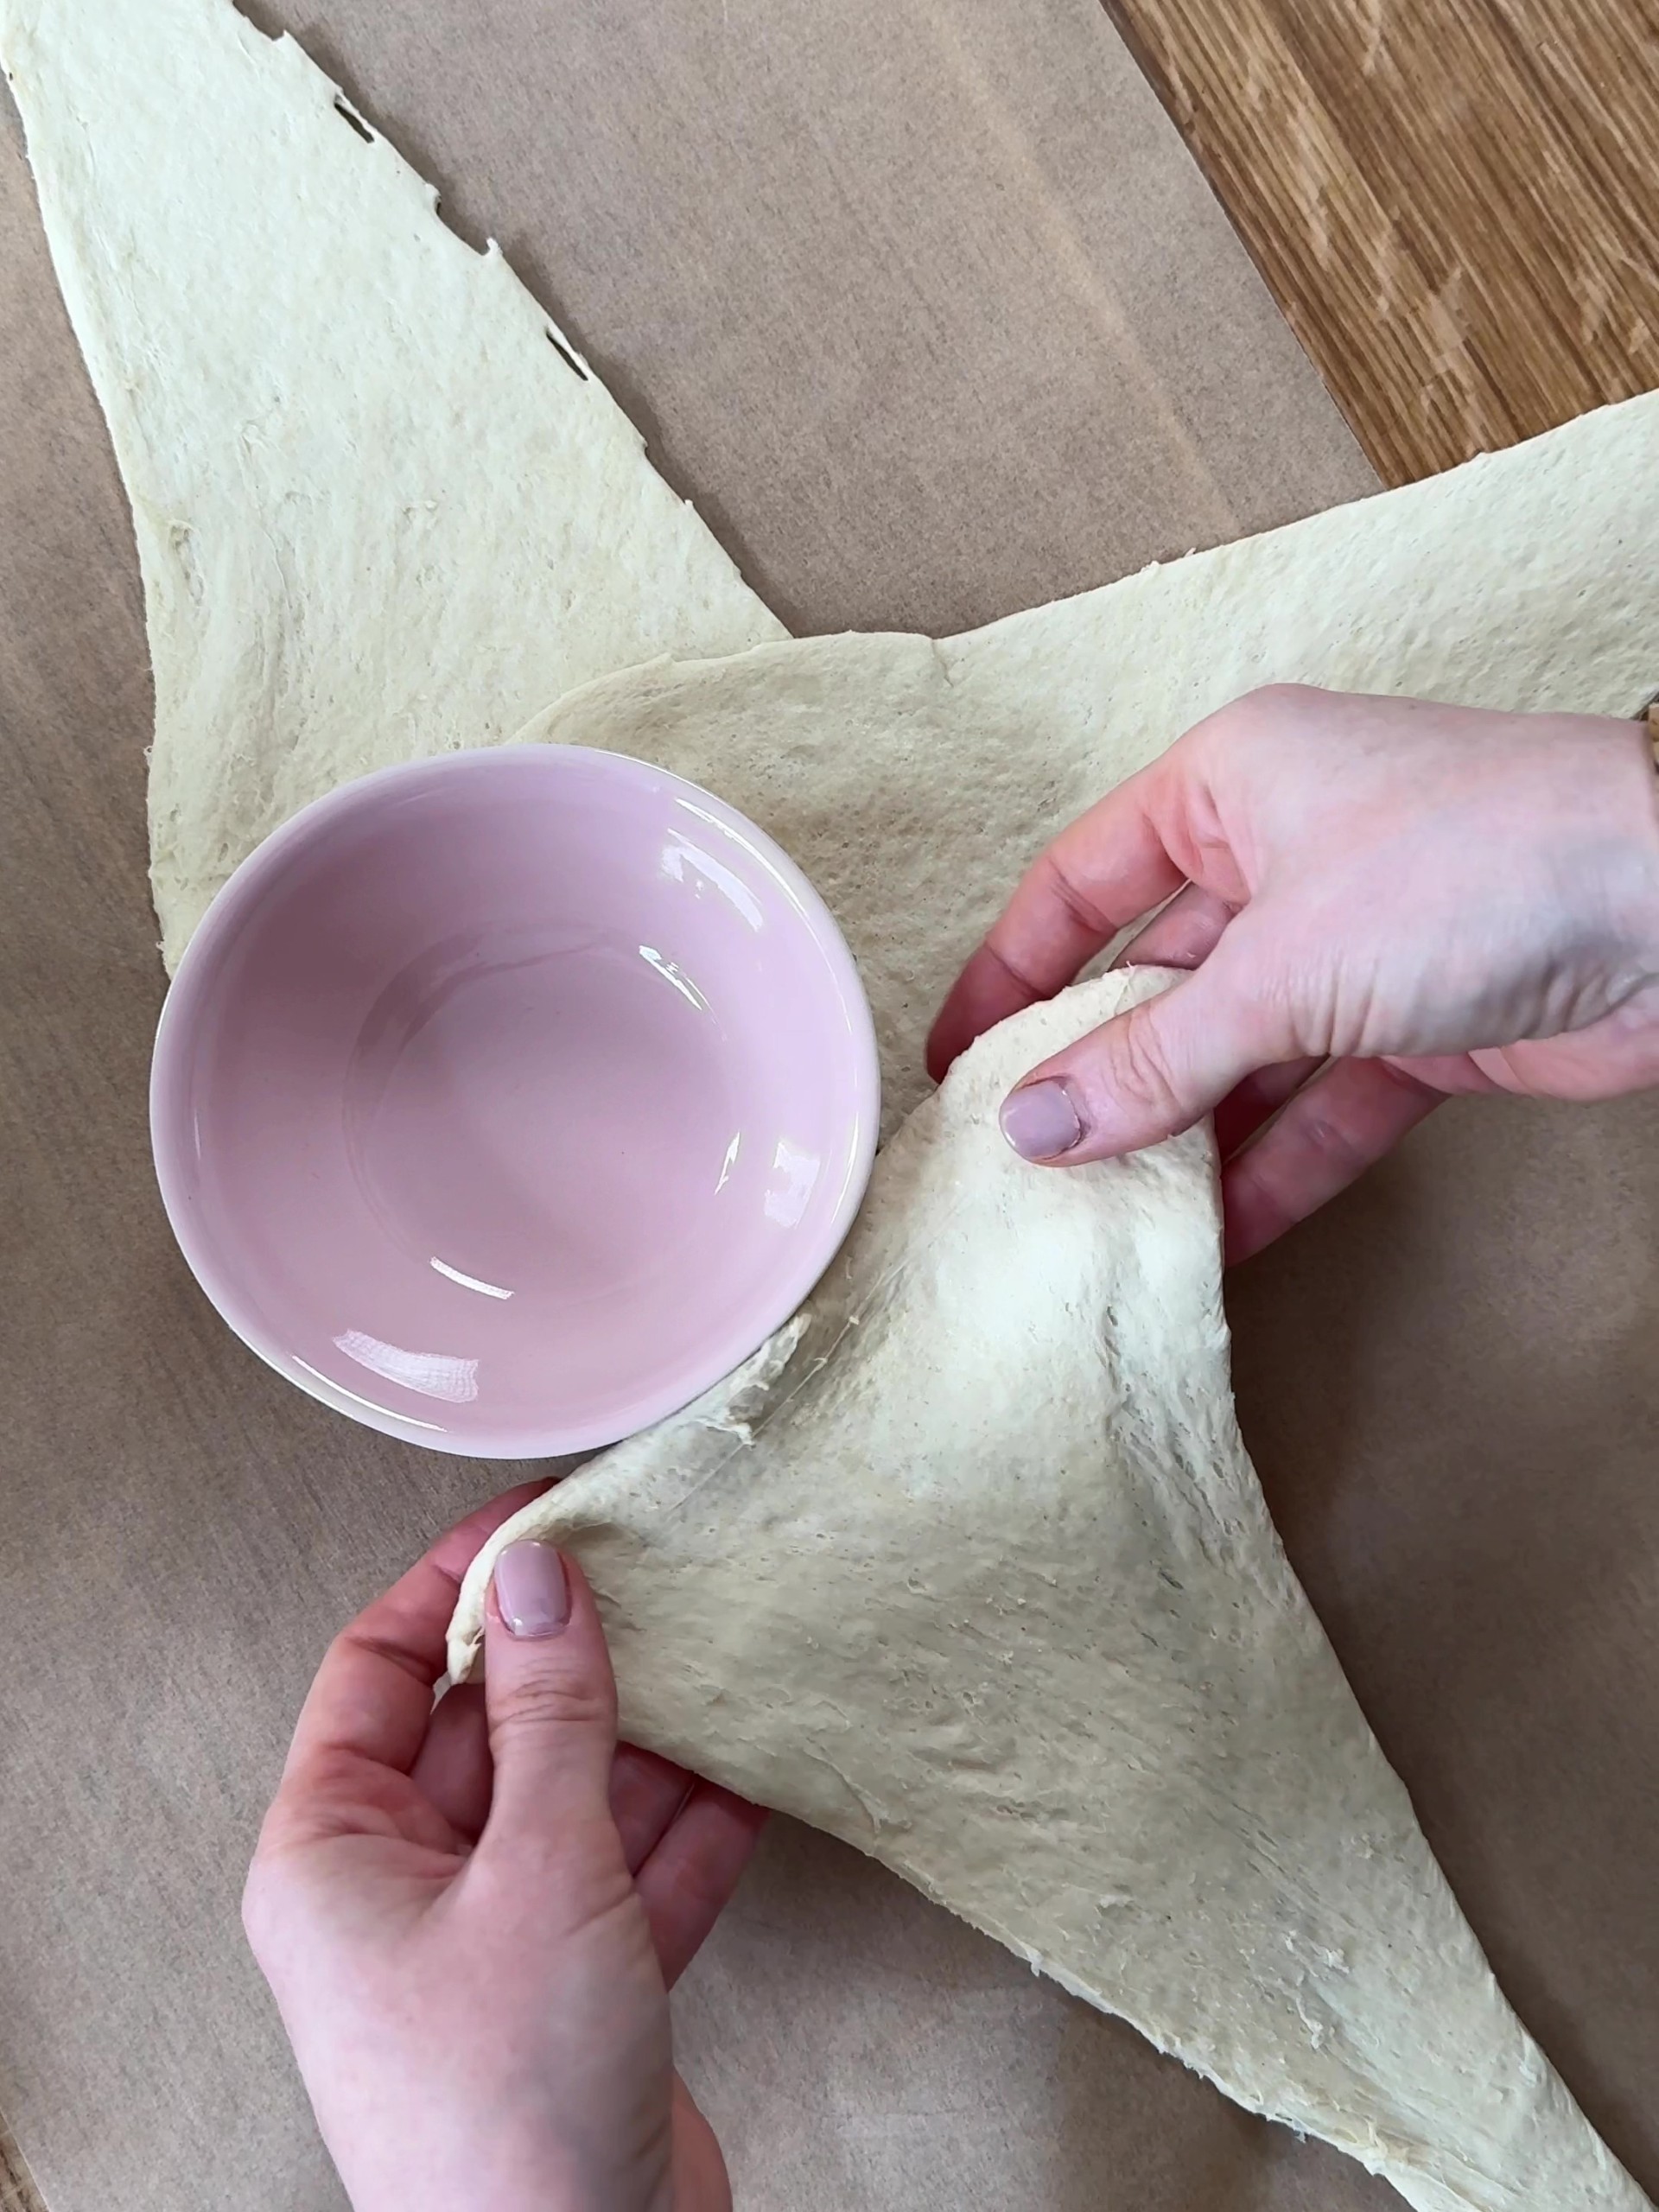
(510, 1100)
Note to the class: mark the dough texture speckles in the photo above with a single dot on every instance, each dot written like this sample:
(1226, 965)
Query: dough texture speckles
(913, 780)
(379, 512)
(969, 1567)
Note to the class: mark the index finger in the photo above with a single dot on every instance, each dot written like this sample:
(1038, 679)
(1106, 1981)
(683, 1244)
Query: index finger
(1110, 867)
(372, 1696)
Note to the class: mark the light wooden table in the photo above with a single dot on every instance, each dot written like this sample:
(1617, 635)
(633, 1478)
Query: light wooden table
(1452, 201)
(18, 2191)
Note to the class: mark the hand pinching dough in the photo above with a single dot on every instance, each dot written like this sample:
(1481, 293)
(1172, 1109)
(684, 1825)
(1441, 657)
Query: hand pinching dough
(969, 1567)
(913, 780)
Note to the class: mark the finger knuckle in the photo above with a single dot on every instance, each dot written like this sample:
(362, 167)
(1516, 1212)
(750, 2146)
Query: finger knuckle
(552, 1703)
(1332, 1142)
(1258, 714)
(263, 1906)
(1140, 1075)
(1074, 901)
(1271, 703)
(255, 1908)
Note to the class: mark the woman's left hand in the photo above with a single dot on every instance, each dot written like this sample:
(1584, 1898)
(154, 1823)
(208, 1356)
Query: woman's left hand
(471, 1914)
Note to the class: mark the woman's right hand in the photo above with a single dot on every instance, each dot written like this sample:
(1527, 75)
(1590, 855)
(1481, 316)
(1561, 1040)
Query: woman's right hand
(1434, 899)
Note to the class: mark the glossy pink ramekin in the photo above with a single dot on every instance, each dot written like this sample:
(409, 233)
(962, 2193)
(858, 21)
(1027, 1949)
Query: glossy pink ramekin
(507, 1101)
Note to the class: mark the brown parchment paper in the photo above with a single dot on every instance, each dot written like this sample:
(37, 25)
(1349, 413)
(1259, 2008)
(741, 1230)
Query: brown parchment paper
(927, 308)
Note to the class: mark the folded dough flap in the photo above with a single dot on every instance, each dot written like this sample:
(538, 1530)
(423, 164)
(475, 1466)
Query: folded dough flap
(969, 1567)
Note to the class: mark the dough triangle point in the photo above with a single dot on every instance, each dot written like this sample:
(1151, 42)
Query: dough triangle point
(969, 1567)
(383, 508)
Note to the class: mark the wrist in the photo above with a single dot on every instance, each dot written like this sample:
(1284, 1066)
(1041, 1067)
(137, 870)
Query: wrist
(473, 2156)
(489, 2175)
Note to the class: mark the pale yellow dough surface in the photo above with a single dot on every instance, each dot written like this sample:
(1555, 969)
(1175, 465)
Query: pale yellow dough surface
(969, 1567)
(378, 513)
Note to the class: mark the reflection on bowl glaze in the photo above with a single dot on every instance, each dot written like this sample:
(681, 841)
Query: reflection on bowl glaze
(526, 1111)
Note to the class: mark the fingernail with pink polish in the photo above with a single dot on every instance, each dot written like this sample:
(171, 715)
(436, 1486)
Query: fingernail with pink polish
(531, 1594)
(1039, 1121)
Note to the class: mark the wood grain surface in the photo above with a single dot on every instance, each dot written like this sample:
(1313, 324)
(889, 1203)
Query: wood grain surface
(17, 2190)
(1453, 201)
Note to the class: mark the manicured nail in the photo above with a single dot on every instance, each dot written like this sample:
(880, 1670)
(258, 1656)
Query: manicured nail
(531, 1593)
(1041, 1122)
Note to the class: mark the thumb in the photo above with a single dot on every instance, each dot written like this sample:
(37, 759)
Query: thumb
(549, 1692)
(1143, 1076)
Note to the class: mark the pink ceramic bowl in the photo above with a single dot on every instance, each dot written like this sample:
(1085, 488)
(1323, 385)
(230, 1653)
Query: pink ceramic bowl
(507, 1101)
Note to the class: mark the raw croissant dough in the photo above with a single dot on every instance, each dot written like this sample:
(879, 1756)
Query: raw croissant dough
(969, 1567)
(911, 780)
(378, 513)
(993, 1591)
